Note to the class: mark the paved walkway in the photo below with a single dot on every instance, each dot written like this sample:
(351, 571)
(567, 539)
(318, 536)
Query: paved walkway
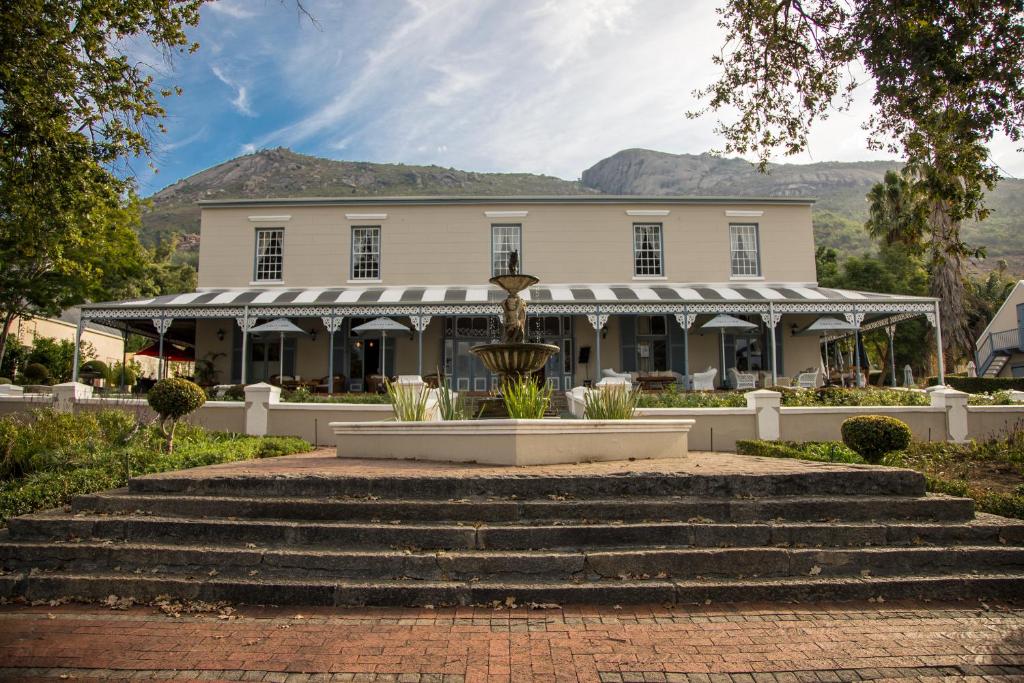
(752, 644)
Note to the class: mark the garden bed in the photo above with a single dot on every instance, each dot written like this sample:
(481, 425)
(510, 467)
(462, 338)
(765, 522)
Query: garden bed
(990, 471)
(49, 457)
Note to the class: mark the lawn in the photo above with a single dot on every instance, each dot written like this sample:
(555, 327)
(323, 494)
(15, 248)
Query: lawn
(990, 471)
(50, 457)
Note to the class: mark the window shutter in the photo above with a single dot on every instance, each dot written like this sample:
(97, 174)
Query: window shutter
(236, 353)
(676, 345)
(1020, 326)
(627, 332)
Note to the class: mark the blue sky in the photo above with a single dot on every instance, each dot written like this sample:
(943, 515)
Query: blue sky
(542, 86)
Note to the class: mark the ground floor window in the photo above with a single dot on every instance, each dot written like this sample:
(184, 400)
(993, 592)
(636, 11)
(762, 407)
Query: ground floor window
(652, 343)
(466, 372)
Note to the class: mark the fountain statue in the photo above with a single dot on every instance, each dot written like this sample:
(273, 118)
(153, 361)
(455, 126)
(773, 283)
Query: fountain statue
(514, 357)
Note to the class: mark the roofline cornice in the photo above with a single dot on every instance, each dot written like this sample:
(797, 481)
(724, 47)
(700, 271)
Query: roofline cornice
(444, 200)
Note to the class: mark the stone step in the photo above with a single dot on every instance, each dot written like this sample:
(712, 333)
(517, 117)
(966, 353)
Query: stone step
(847, 480)
(985, 529)
(673, 563)
(254, 591)
(718, 509)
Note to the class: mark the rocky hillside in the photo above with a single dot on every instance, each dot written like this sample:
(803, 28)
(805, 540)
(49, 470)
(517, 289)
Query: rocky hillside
(283, 173)
(838, 215)
(839, 187)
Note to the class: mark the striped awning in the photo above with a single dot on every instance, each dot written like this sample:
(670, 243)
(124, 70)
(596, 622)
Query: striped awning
(597, 302)
(566, 294)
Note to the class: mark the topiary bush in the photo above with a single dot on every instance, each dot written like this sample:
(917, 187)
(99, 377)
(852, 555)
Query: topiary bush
(872, 436)
(5, 380)
(173, 399)
(95, 369)
(36, 373)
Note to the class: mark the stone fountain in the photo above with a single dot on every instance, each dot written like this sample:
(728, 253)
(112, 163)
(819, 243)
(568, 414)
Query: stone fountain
(513, 357)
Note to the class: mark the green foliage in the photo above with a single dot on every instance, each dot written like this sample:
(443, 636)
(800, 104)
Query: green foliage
(998, 398)
(823, 451)
(981, 385)
(206, 369)
(615, 402)
(95, 369)
(826, 396)
(172, 399)
(673, 398)
(451, 404)
(36, 373)
(872, 436)
(129, 373)
(5, 380)
(409, 403)
(50, 457)
(58, 356)
(525, 399)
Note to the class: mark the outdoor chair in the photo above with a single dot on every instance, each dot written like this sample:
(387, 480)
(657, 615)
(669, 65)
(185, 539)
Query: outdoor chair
(807, 379)
(322, 384)
(609, 372)
(705, 381)
(742, 380)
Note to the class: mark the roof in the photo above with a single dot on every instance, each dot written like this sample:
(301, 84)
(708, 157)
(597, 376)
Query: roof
(428, 200)
(413, 295)
(1011, 300)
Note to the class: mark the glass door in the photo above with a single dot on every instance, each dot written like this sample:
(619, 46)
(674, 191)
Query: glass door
(264, 360)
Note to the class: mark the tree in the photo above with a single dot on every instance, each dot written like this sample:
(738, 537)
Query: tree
(947, 76)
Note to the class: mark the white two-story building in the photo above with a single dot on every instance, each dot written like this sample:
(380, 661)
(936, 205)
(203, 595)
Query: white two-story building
(627, 283)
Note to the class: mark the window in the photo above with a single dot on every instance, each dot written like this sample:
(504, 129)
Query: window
(504, 240)
(743, 250)
(366, 252)
(269, 254)
(647, 250)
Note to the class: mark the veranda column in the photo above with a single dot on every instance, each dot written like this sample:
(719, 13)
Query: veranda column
(420, 322)
(598, 321)
(771, 319)
(246, 323)
(938, 345)
(685, 321)
(332, 323)
(162, 325)
(78, 345)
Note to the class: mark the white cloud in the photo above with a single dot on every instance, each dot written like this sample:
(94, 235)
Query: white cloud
(248, 149)
(241, 100)
(231, 9)
(183, 142)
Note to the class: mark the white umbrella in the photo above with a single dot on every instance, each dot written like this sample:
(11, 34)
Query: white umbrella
(382, 325)
(827, 324)
(282, 326)
(723, 322)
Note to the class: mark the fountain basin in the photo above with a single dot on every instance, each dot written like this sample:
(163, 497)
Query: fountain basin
(514, 358)
(514, 442)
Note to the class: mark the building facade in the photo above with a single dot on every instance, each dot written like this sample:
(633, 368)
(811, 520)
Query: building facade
(1000, 348)
(627, 284)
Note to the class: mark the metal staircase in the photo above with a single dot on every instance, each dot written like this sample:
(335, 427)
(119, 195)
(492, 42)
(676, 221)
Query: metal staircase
(994, 349)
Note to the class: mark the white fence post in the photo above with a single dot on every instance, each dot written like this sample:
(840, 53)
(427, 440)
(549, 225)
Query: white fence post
(67, 394)
(955, 404)
(258, 399)
(766, 405)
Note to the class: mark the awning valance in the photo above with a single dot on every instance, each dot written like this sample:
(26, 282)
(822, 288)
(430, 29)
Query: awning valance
(684, 300)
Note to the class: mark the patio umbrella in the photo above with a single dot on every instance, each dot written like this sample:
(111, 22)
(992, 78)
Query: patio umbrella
(172, 352)
(826, 324)
(382, 325)
(722, 323)
(282, 326)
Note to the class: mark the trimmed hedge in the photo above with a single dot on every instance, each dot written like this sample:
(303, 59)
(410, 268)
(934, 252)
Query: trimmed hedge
(36, 373)
(981, 385)
(872, 436)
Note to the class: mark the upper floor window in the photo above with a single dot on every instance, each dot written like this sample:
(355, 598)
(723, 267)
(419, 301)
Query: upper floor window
(647, 253)
(744, 258)
(366, 252)
(504, 240)
(269, 263)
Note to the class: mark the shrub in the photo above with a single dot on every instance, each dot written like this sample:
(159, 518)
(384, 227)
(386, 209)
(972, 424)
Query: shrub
(981, 385)
(36, 373)
(672, 398)
(872, 436)
(173, 399)
(95, 368)
(132, 369)
(525, 399)
(5, 380)
(451, 404)
(822, 451)
(615, 402)
(409, 404)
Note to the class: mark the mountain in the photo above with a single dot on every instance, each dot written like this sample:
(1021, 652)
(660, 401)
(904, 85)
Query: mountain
(840, 189)
(283, 173)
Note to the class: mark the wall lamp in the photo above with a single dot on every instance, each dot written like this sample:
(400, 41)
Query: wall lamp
(312, 333)
(220, 334)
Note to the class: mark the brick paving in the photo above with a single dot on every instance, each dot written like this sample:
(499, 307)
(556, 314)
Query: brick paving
(709, 644)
